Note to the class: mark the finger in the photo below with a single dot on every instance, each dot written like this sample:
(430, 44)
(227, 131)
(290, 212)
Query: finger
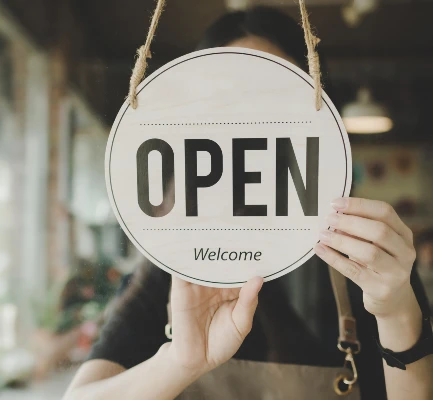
(375, 210)
(177, 283)
(246, 305)
(348, 234)
(229, 294)
(360, 275)
(366, 253)
(370, 230)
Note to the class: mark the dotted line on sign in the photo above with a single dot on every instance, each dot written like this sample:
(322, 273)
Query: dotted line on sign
(227, 123)
(226, 229)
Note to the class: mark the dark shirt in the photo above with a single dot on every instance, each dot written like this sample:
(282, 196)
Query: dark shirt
(296, 322)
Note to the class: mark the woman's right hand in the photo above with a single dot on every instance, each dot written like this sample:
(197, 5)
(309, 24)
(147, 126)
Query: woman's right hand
(210, 324)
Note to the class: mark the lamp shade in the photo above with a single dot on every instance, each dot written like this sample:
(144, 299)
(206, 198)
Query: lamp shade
(237, 4)
(364, 116)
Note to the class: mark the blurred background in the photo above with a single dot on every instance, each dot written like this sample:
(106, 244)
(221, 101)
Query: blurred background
(64, 73)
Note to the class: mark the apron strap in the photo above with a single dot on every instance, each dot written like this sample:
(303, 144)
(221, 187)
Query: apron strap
(346, 322)
(169, 306)
(168, 330)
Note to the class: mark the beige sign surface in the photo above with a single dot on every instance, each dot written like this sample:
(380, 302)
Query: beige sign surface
(226, 170)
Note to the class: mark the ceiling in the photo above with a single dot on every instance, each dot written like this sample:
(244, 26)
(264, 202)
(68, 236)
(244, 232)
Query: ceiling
(391, 50)
(120, 27)
(116, 28)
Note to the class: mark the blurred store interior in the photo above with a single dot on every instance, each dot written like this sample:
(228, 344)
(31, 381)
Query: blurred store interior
(64, 73)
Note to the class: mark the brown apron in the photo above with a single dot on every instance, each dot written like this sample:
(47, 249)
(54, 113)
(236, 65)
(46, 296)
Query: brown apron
(252, 380)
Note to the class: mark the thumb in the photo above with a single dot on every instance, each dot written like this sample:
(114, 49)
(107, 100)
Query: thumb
(246, 305)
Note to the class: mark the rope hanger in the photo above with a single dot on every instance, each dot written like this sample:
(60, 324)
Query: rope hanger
(313, 57)
(143, 53)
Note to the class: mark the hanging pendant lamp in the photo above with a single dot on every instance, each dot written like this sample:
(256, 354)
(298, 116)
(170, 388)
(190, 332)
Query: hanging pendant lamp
(364, 116)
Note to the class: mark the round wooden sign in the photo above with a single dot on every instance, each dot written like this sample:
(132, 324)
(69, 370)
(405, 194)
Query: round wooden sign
(226, 170)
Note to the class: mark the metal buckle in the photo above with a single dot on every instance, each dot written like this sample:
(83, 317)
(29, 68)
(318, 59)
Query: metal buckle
(344, 346)
(338, 390)
(347, 360)
(168, 331)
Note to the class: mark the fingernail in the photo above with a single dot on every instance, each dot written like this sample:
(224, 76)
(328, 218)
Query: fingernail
(320, 250)
(325, 237)
(339, 204)
(332, 219)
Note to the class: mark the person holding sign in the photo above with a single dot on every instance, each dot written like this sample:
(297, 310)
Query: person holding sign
(256, 342)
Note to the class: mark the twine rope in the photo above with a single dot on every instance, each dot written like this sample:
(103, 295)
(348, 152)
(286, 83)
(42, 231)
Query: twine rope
(143, 53)
(313, 57)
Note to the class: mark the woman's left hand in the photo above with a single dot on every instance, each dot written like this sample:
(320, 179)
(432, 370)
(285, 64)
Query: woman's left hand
(380, 250)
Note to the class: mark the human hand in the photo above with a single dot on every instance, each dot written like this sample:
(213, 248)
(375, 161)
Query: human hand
(210, 324)
(380, 249)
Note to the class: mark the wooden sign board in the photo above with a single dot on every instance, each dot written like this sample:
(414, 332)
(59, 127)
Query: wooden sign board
(226, 170)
